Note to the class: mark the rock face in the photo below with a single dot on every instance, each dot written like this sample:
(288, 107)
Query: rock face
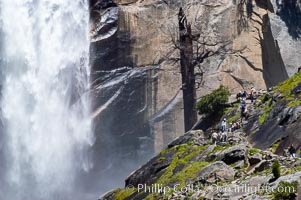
(285, 24)
(284, 126)
(137, 100)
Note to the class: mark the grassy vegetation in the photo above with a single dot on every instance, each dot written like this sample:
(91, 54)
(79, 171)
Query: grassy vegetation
(121, 194)
(184, 157)
(293, 103)
(266, 108)
(274, 146)
(189, 172)
(221, 148)
(263, 117)
(285, 88)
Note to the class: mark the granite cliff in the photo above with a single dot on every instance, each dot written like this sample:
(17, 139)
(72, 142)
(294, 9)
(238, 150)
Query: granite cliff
(137, 88)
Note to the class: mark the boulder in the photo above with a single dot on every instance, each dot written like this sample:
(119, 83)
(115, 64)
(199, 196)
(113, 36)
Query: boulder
(256, 181)
(262, 166)
(234, 154)
(254, 159)
(215, 172)
(239, 164)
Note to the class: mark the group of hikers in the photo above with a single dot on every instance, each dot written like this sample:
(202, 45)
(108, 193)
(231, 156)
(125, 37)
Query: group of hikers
(222, 135)
(241, 97)
(252, 95)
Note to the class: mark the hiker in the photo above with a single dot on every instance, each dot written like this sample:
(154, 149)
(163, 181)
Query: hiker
(224, 137)
(292, 151)
(239, 96)
(244, 95)
(214, 136)
(224, 125)
(246, 113)
(251, 97)
(234, 126)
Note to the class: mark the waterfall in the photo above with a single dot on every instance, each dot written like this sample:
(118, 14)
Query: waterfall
(44, 98)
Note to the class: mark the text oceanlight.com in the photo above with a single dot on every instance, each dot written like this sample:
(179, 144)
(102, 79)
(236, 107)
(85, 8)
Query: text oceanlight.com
(246, 188)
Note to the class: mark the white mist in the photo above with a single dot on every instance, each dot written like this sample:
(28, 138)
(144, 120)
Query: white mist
(45, 102)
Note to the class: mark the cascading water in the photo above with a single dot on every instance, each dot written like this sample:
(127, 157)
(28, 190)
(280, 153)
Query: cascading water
(45, 102)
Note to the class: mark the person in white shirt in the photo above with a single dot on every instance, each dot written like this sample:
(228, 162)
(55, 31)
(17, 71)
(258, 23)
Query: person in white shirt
(224, 125)
(214, 137)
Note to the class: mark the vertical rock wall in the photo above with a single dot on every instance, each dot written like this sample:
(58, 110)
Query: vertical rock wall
(285, 23)
(137, 96)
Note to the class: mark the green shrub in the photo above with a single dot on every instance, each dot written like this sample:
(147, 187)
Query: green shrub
(276, 169)
(214, 103)
(253, 151)
(286, 190)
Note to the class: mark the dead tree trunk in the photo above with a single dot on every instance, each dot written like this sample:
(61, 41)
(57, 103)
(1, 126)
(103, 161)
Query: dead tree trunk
(187, 71)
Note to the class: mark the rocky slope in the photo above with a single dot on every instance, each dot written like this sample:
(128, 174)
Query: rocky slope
(276, 119)
(192, 168)
(136, 90)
